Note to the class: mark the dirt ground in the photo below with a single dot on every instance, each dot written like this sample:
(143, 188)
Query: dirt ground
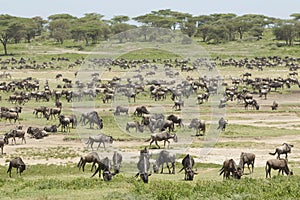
(129, 149)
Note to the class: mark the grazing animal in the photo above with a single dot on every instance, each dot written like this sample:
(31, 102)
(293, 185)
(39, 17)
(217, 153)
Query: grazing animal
(121, 109)
(52, 129)
(117, 160)
(92, 118)
(188, 163)
(175, 120)
(18, 164)
(2, 143)
(64, 122)
(92, 157)
(138, 127)
(104, 165)
(37, 133)
(275, 164)
(198, 125)
(162, 136)
(229, 166)
(13, 134)
(247, 158)
(178, 105)
(222, 124)
(168, 124)
(53, 112)
(284, 149)
(251, 102)
(9, 116)
(140, 111)
(274, 106)
(143, 165)
(165, 157)
(101, 138)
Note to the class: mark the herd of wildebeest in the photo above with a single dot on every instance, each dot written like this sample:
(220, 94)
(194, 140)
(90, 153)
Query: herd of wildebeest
(158, 80)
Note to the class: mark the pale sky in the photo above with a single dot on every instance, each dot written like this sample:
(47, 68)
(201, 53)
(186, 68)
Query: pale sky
(132, 8)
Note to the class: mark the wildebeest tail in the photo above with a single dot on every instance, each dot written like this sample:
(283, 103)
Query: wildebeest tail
(148, 140)
(273, 153)
(221, 170)
(79, 163)
(181, 169)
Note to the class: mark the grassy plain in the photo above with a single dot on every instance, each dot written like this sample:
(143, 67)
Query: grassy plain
(49, 181)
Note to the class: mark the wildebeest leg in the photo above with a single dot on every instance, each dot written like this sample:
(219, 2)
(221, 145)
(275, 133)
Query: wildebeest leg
(93, 166)
(151, 142)
(9, 170)
(100, 144)
(162, 168)
(157, 144)
(92, 142)
(14, 140)
(173, 167)
(97, 170)
(23, 138)
(168, 143)
(83, 165)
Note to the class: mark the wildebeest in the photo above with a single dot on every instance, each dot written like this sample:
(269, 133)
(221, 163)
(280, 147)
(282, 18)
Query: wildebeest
(165, 157)
(13, 134)
(43, 110)
(121, 109)
(168, 124)
(143, 165)
(178, 105)
(138, 127)
(251, 102)
(64, 122)
(284, 149)
(104, 165)
(274, 106)
(275, 164)
(162, 136)
(92, 118)
(100, 138)
(222, 124)
(140, 111)
(52, 128)
(18, 164)
(247, 158)
(188, 163)
(53, 112)
(117, 160)
(198, 125)
(229, 166)
(10, 115)
(92, 157)
(175, 119)
(36, 132)
(2, 143)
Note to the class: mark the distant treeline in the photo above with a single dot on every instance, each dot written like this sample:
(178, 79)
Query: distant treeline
(92, 28)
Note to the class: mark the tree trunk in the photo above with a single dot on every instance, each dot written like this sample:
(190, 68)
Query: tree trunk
(5, 48)
(86, 40)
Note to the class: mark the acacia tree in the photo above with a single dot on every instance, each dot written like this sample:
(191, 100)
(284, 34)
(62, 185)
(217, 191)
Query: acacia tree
(286, 31)
(60, 30)
(39, 24)
(90, 27)
(5, 30)
(59, 26)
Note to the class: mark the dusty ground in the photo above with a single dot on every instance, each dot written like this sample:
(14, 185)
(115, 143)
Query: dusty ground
(287, 120)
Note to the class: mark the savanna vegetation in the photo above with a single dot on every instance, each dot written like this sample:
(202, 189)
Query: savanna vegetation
(221, 35)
